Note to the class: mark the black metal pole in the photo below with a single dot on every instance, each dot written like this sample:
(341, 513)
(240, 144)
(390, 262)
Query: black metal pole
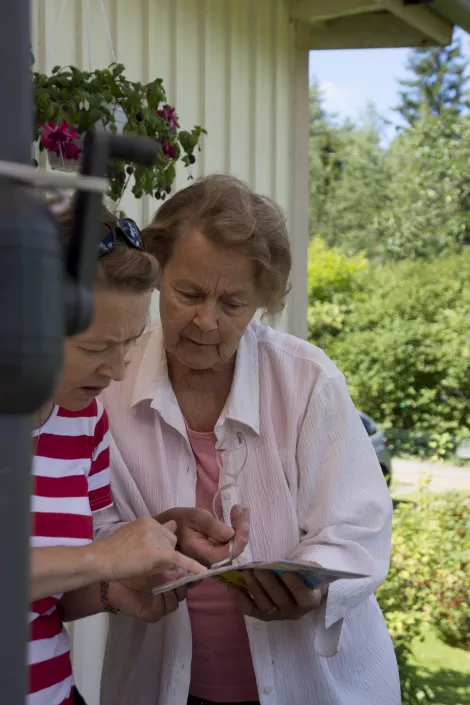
(15, 453)
(15, 429)
(16, 115)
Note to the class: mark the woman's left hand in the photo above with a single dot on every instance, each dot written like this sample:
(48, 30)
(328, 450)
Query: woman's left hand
(270, 598)
(143, 605)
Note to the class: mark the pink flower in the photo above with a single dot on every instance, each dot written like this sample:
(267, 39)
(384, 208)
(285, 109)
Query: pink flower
(168, 149)
(70, 150)
(59, 139)
(169, 114)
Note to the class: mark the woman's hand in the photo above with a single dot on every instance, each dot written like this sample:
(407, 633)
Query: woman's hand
(270, 598)
(144, 605)
(143, 547)
(138, 549)
(205, 538)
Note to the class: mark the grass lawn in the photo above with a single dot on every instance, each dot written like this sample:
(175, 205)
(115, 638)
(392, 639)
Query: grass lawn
(445, 670)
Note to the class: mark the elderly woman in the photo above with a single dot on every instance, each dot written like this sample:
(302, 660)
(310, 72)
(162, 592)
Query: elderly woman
(218, 411)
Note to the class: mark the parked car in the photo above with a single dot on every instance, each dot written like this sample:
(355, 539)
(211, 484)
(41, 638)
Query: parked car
(380, 444)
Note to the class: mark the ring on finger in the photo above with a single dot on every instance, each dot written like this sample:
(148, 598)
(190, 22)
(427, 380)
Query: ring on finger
(271, 611)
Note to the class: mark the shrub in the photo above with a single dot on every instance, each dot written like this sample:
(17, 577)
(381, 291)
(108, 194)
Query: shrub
(334, 281)
(428, 582)
(404, 597)
(404, 346)
(451, 582)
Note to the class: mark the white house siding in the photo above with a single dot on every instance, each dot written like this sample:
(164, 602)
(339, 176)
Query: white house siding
(228, 65)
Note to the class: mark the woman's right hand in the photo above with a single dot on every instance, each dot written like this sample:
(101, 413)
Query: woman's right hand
(143, 547)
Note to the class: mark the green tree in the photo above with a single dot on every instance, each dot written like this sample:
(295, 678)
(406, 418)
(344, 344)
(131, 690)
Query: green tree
(356, 200)
(428, 208)
(326, 145)
(437, 86)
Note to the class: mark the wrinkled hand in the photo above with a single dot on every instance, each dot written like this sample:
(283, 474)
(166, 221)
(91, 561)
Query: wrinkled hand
(205, 538)
(143, 547)
(271, 598)
(144, 605)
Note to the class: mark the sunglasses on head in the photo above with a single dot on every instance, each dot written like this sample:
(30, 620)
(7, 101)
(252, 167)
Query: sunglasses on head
(123, 229)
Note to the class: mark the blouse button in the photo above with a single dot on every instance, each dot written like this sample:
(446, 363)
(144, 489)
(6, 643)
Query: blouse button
(268, 689)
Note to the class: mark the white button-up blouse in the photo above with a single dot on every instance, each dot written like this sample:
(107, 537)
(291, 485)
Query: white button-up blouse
(315, 492)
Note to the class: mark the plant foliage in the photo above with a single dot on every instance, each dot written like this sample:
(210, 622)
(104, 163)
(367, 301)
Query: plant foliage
(70, 101)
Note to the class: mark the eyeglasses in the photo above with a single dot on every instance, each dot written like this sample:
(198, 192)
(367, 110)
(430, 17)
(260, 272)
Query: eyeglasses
(124, 229)
(228, 459)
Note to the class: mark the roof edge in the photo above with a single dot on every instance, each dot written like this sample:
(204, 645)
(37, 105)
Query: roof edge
(457, 11)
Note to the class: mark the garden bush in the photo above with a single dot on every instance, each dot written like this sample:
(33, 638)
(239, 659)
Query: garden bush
(428, 577)
(451, 582)
(404, 597)
(404, 346)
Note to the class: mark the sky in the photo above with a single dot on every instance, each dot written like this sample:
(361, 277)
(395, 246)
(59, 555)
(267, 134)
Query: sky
(351, 79)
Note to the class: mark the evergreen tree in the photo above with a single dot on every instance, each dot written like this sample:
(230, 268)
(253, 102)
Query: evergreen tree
(438, 85)
(326, 146)
(351, 215)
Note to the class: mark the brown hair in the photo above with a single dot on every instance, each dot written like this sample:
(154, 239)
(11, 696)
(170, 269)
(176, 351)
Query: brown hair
(229, 213)
(125, 268)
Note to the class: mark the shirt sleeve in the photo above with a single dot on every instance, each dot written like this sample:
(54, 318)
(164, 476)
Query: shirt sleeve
(99, 489)
(344, 506)
(123, 489)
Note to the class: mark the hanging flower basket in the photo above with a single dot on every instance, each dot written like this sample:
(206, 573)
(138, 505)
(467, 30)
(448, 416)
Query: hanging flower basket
(70, 101)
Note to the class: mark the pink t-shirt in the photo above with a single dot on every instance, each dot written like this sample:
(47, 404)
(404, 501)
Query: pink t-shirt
(221, 667)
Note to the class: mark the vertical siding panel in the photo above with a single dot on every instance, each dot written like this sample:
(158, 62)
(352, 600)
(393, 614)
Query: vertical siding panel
(215, 116)
(34, 24)
(159, 44)
(61, 49)
(188, 98)
(79, 35)
(39, 18)
(111, 9)
(284, 129)
(282, 149)
(129, 37)
(100, 49)
(274, 135)
(253, 72)
(157, 27)
(262, 118)
(203, 50)
(146, 209)
(130, 52)
(145, 40)
(241, 76)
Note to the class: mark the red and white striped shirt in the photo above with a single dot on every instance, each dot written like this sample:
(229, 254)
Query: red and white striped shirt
(70, 482)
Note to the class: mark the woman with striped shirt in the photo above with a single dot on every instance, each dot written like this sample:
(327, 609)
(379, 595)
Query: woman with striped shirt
(72, 577)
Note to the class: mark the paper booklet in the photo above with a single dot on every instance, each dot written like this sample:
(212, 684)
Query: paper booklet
(312, 575)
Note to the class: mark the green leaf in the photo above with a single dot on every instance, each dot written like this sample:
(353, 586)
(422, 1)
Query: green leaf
(94, 115)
